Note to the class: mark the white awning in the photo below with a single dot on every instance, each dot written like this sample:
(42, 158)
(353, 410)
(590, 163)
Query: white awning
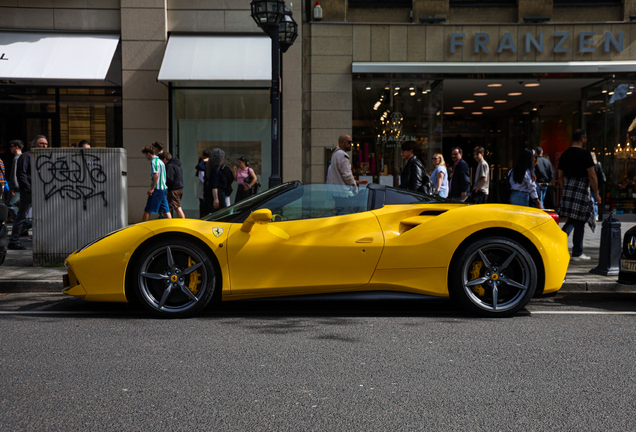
(222, 59)
(493, 67)
(34, 56)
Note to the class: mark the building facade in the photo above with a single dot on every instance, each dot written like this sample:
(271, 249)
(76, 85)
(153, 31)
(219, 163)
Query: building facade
(195, 74)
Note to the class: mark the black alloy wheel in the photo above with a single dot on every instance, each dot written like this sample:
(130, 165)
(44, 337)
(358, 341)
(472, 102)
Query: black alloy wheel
(174, 278)
(493, 277)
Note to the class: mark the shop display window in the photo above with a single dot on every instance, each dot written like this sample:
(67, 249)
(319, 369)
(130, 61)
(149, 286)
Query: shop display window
(238, 121)
(386, 112)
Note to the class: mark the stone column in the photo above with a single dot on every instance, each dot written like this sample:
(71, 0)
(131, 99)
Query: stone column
(144, 100)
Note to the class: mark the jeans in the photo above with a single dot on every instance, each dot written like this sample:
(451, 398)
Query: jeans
(479, 197)
(541, 191)
(23, 211)
(577, 240)
(13, 204)
(519, 198)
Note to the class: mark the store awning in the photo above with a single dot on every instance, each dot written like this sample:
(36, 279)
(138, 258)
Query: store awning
(493, 67)
(56, 58)
(224, 60)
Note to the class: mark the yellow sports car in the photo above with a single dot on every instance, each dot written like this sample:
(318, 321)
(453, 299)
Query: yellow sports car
(298, 239)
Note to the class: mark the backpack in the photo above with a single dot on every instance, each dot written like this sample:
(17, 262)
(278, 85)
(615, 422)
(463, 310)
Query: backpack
(427, 185)
(503, 190)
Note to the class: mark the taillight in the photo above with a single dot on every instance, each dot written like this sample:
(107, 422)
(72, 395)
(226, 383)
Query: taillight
(554, 215)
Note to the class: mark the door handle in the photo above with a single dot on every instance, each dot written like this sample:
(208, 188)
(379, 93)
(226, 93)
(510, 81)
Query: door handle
(365, 240)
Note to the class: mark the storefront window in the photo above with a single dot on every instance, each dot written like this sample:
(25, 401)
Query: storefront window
(238, 121)
(64, 115)
(610, 117)
(388, 111)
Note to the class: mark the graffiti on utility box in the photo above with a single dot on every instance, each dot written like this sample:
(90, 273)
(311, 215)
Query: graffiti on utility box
(76, 176)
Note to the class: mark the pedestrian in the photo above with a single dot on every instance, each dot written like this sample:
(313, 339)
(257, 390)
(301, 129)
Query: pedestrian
(576, 175)
(413, 175)
(522, 185)
(229, 179)
(158, 147)
(200, 174)
(544, 173)
(215, 182)
(481, 184)
(460, 177)
(23, 174)
(340, 175)
(16, 147)
(174, 181)
(601, 179)
(245, 177)
(440, 176)
(74, 145)
(3, 179)
(84, 144)
(157, 194)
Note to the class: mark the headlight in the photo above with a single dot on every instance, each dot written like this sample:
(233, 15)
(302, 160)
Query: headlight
(98, 239)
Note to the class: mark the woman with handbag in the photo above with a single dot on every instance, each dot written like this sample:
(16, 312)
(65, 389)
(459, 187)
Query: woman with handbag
(246, 179)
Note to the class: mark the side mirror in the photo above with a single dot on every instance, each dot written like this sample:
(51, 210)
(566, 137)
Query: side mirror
(259, 216)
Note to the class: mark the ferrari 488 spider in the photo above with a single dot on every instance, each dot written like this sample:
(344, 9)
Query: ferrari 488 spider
(298, 239)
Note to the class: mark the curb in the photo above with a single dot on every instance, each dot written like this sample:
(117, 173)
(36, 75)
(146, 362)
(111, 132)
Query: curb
(26, 286)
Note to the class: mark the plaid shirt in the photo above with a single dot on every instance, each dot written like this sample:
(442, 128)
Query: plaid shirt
(576, 202)
(2, 177)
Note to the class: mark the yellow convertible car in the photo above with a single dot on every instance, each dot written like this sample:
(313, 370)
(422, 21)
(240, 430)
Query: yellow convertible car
(298, 239)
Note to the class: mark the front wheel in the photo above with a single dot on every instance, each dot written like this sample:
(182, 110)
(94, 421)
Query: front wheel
(174, 278)
(493, 277)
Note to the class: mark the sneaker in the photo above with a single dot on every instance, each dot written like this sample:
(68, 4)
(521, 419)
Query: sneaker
(15, 246)
(581, 257)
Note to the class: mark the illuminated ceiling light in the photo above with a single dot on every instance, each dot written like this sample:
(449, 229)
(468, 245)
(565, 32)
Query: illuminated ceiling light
(487, 107)
(477, 113)
(495, 85)
(448, 113)
(458, 107)
(532, 85)
(368, 87)
(501, 101)
(535, 109)
(480, 94)
(604, 91)
(387, 86)
(412, 93)
(396, 93)
(525, 112)
(468, 101)
(611, 93)
(397, 87)
(515, 94)
(412, 87)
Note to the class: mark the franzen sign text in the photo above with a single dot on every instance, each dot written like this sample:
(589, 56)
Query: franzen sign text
(585, 42)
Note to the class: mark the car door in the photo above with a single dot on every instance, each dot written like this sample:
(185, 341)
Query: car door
(302, 254)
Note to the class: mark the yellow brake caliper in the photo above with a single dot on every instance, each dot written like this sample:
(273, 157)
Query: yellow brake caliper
(195, 278)
(475, 269)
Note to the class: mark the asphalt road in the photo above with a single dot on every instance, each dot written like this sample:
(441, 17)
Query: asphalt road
(565, 363)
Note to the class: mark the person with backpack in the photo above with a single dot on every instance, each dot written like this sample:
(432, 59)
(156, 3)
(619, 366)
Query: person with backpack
(413, 175)
(245, 177)
(174, 181)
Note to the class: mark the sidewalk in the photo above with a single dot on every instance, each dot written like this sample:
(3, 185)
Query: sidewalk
(18, 274)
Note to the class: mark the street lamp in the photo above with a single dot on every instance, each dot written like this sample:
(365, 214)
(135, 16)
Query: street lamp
(276, 20)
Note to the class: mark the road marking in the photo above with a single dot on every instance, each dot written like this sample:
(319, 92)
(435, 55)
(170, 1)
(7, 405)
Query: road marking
(583, 312)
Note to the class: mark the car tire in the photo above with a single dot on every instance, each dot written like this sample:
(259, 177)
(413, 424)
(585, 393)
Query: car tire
(173, 278)
(493, 277)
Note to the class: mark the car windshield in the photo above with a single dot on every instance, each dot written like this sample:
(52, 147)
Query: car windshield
(317, 201)
(295, 201)
(229, 213)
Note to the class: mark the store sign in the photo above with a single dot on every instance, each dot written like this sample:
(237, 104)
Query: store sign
(585, 41)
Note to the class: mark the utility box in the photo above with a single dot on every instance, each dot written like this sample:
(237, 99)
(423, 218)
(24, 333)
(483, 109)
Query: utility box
(78, 195)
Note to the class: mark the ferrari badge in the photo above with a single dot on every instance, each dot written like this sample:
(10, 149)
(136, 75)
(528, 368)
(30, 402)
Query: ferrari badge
(217, 231)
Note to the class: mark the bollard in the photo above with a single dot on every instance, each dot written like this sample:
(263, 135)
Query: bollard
(609, 253)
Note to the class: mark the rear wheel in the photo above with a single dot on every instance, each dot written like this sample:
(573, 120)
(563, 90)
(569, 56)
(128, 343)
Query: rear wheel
(174, 278)
(493, 277)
